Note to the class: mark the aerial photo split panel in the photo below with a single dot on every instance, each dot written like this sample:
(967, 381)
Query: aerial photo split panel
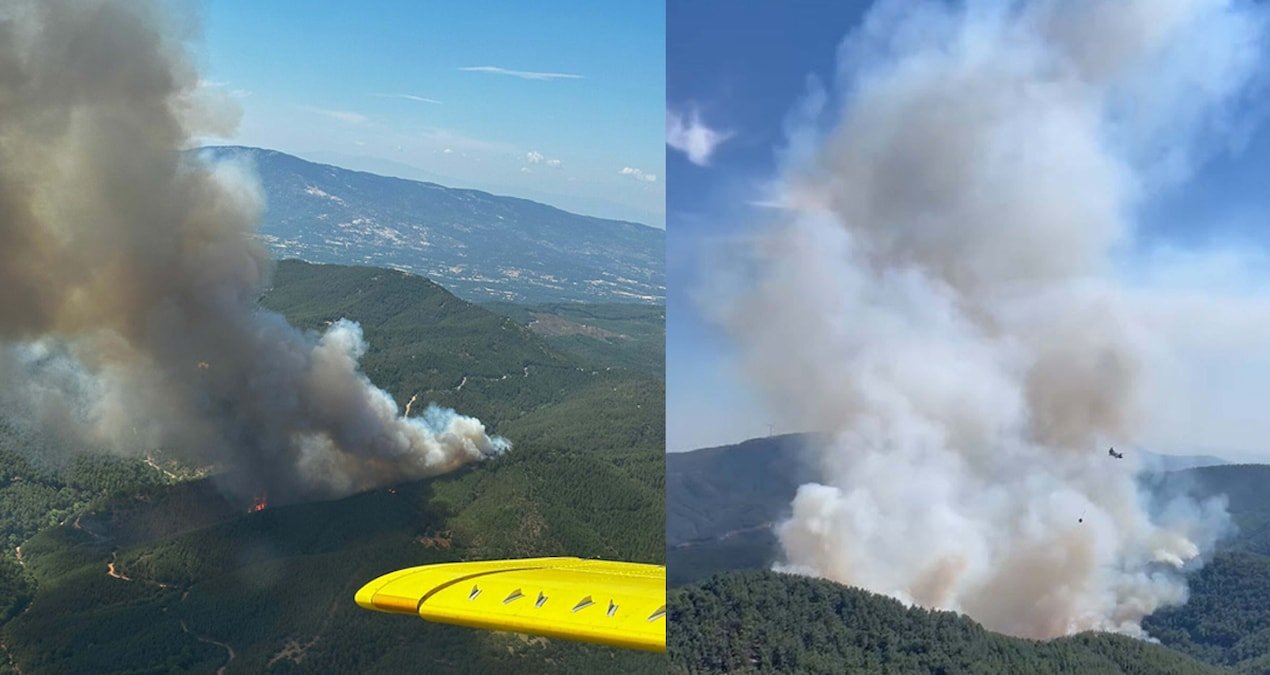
(969, 337)
(334, 338)
(331, 337)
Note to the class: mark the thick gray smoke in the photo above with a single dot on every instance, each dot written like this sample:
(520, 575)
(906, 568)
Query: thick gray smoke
(129, 274)
(942, 297)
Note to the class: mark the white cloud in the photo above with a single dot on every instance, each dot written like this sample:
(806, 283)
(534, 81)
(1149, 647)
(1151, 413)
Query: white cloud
(522, 74)
(689, 135)
(535, 157)
(341, 115)
(525, 169)
(447, 151)
(638, 174)
(408, 97)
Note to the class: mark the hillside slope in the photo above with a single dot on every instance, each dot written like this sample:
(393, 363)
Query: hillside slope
(764, 622)
(609, 335)
(175, 577)
(722, 503)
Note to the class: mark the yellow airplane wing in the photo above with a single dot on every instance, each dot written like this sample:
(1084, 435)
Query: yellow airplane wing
(611, 603)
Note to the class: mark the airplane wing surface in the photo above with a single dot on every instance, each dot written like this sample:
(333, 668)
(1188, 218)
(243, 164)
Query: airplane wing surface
(618, 604)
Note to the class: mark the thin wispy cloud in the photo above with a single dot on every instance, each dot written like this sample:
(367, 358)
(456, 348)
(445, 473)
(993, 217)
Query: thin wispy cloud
(462, 144)
(522, 74)
(554, 163)
(408, 97)
(689, 135)
(341, 115)
(222, 87)
(638, 174)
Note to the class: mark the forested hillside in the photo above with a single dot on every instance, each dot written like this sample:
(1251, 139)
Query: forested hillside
(764, 622)
(611, 336)
(166, 574)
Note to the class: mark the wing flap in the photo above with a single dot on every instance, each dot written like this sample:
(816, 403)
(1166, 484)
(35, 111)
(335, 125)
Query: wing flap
(613, 603)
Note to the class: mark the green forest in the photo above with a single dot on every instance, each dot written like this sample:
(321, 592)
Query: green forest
(765, 622)
(127, 569)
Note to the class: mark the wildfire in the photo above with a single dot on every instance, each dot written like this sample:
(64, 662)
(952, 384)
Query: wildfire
(259, 505)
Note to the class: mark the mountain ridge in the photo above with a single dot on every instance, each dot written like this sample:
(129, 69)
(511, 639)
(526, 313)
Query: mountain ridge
(479, 245)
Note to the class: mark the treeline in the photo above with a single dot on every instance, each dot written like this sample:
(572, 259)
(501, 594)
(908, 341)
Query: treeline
(764, 622)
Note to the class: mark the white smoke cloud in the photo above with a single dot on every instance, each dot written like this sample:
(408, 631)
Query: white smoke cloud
(943, 297)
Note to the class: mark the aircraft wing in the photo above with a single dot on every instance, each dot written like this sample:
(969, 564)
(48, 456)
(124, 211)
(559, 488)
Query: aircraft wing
(618, 604)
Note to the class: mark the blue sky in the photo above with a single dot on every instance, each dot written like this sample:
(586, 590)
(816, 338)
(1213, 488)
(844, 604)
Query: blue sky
(737, 65)
(743, 66)
(556, 101)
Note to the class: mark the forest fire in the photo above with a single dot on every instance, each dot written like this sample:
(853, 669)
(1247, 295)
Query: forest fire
(259, 504)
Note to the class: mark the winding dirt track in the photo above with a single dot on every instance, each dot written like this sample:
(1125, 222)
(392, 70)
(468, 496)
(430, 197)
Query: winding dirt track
(204, 639)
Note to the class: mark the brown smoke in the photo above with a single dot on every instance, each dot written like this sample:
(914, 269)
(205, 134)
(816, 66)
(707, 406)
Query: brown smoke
(129, 273)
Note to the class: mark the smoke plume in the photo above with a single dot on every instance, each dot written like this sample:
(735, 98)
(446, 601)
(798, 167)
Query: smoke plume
(941, 296)
(129, 274)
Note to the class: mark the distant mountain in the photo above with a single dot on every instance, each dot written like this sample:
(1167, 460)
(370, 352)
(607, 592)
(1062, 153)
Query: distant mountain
(595, 206)
(1155, 461)
(478, 245)
(716, 491)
